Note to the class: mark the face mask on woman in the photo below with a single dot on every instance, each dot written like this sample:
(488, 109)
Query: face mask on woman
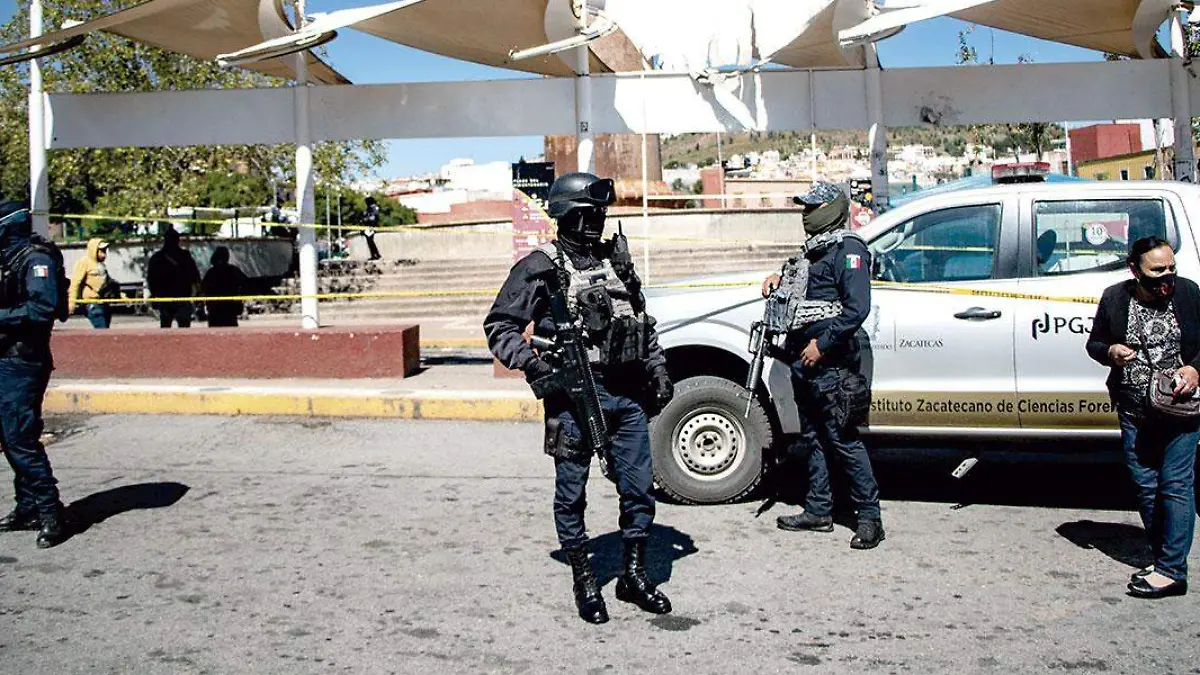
(1158, 287)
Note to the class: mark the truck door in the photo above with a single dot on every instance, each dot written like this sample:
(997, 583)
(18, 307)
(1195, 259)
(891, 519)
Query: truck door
(943, 357)
(1073, 245)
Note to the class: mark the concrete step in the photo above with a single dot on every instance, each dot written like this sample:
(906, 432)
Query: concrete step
(347, 268)
(486, 275)
(473, 276)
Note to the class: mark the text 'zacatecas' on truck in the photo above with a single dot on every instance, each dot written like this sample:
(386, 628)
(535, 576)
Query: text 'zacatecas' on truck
(981, 306)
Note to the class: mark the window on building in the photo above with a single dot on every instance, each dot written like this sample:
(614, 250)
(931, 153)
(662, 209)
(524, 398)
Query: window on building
(957, 244)
(1124, 174)
(1093, 234)
(1148, 172)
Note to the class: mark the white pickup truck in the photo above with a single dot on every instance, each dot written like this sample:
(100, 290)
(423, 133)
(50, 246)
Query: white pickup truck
(982, 304)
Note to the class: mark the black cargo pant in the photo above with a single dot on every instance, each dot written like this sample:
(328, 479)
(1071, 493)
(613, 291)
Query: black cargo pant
(22, 388)
(629, 457)
(824, 431)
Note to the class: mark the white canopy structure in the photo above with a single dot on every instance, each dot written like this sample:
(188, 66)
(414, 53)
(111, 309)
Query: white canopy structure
(1124, 27)
(198, 28)
(653, 66)
(679, 35)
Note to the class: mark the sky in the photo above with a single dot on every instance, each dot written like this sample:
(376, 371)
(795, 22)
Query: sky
(366, 59)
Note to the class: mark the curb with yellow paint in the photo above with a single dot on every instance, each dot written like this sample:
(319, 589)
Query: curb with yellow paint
(96, 399)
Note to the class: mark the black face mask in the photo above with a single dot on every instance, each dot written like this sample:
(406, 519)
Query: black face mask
(582, 229)
(1158, 287)
(591, 225)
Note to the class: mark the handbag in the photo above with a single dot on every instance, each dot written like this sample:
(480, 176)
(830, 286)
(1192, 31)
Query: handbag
(109, 290)
(1162, 399)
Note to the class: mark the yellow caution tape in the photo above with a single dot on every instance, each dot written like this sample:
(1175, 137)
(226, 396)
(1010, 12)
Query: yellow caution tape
(951, 290)
(470, 292)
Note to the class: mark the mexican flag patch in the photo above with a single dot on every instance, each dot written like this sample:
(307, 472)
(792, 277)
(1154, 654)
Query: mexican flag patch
(853, 261)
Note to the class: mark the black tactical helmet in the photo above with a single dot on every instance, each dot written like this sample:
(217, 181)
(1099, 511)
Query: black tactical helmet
(579, 191)
(15, 221)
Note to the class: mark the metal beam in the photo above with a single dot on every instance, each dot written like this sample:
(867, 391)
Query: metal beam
(39, 177)
(771, 100)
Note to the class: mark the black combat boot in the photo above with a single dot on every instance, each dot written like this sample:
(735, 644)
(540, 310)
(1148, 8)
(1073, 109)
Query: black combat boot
(633, 586)
(588, 599)
(868, 535)
(19, 520)
(53, 531)
(805, 522)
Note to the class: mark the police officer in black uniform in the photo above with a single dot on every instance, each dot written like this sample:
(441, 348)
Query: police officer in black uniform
(823, 356)
(630, 371)
(30, 300)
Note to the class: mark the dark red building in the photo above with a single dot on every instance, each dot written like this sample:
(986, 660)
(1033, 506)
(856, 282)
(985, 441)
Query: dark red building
(1104, 140)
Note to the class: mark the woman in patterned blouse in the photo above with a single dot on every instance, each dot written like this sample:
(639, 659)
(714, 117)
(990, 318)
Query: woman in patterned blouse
(1144, 325)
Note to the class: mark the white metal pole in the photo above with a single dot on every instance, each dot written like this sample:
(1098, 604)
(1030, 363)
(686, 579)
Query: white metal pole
(307, 236)
(645, 191)
(39, 183)
(878, 133)
(812, 120)
(1181, 104)
(721, 172)
(583, 97)
(1070, 160)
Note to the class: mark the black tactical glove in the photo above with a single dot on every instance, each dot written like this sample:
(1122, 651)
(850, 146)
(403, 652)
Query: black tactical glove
(538, 375)
(664, 391)
(536, 369)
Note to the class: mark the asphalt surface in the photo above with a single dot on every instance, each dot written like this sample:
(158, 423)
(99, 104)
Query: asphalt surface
(267, 545)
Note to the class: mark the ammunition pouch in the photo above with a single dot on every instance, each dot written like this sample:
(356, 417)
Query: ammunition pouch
(627, 341)
(563, 441)
(595, 309)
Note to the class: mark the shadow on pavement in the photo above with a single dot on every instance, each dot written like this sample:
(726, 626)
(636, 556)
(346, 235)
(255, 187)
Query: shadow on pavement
(1120, 541)
(82, 514)
(666, 545)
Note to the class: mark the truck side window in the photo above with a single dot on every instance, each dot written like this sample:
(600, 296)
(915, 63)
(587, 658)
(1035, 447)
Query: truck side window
(957, 244)
(1093, 234)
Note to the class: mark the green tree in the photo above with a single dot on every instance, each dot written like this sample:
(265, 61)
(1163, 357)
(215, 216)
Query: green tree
(147, 181)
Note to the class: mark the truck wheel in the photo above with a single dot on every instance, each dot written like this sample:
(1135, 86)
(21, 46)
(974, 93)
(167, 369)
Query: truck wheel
(705, 450)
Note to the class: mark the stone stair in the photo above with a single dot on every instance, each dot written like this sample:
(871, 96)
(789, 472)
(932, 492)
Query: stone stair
(480, 278)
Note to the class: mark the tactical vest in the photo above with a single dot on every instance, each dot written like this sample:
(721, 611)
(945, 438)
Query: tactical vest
(793, 308)
(603, 306)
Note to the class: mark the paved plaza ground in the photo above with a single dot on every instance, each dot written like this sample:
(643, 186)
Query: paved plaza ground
(272, 545)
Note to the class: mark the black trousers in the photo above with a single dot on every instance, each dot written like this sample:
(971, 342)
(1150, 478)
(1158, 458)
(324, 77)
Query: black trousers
(823, 432)
(22, 388)
(629, 454)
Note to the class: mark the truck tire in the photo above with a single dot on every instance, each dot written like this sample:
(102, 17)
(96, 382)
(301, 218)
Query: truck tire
(705, 450)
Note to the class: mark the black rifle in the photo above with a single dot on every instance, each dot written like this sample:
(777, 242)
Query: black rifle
(568, 354)
(785, 310)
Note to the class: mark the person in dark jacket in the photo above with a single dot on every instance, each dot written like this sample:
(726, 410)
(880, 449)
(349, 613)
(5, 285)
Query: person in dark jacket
(223, 280)
(172, 273)
(824, 353)
(370, 222)
(1143, 325)
(630, 372)
(28, 309)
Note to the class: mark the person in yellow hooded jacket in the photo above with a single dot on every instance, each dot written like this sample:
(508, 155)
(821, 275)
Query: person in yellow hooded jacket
(90, 281)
